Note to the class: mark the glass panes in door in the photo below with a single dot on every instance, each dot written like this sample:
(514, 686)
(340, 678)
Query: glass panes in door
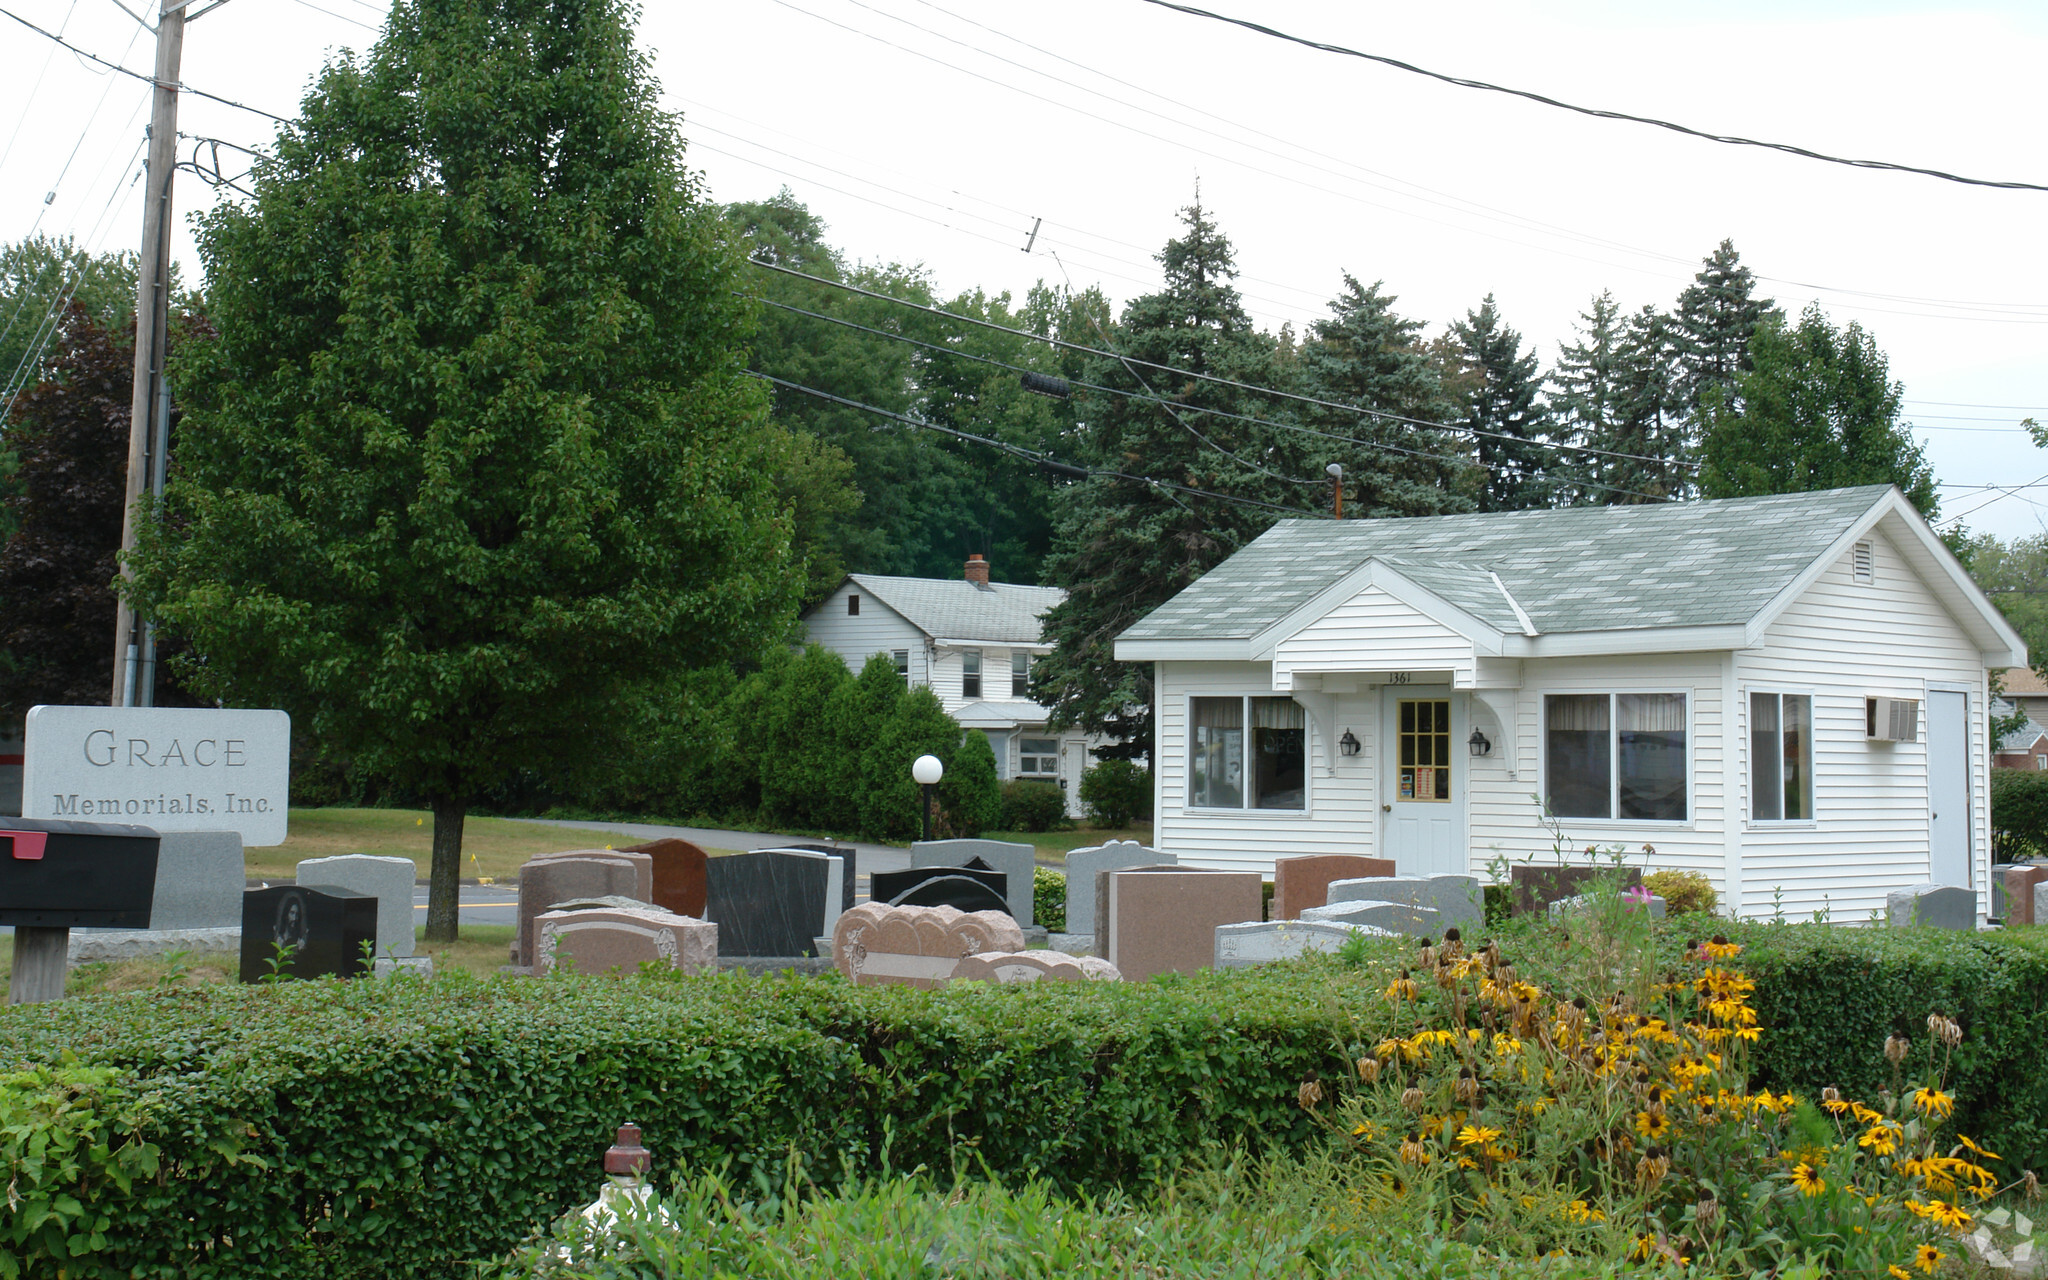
(1424, 742)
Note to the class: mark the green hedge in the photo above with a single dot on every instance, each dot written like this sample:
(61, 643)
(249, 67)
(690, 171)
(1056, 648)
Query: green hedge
(2019, 814)
(399, 1128)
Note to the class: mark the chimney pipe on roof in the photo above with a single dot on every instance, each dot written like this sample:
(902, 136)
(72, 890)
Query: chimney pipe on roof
(977, 570)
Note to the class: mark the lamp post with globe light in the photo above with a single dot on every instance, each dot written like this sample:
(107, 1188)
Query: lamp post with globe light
(927, 771)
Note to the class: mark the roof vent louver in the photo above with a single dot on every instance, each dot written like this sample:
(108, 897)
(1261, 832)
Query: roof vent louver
(1863, 563)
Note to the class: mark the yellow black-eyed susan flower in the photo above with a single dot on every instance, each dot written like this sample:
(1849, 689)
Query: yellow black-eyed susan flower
(1808, 1182)
(1934, 1102)
(1926, 1257)
(1652, 1125)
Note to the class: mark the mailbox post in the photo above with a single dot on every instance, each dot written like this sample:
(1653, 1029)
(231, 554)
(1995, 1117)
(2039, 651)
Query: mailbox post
(56, 876)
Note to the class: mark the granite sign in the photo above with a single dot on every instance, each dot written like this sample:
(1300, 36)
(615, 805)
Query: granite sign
(166, 768)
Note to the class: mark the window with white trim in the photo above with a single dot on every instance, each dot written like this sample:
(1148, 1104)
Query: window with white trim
(1247, 753)
(970, 673)
(1020, 674)
(1038, 757)
(853, 606)
(1615, 755)
(901, 658)
(1780, 757)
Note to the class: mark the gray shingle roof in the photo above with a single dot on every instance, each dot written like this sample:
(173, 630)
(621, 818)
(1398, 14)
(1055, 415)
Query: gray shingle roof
(1574, 569)
(955, 608)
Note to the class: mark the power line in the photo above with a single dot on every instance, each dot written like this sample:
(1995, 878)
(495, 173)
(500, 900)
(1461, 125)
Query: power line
(1597, 113)
(1965, 404)
(1033, 455)
(149, 80)
(1211, 378)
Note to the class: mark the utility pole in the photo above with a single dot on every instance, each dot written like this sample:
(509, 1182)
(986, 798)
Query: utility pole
(149, 407)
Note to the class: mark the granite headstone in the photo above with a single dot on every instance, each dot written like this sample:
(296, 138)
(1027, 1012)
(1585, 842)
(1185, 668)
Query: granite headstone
(848, 856)
(2016, 885)
(1165, 920)
(582, 873)
(877, 945)
(614, 939)
(1034, 966)
(773, 902)
(1940, 906)
(973, 887)
(678, 875)
(326, 932)
(1404, 918)
(1253, 942)
(1017, 862)
(1456, 899)
(388, 880)
(1084, 873)
(197, 908)
(1300, 883)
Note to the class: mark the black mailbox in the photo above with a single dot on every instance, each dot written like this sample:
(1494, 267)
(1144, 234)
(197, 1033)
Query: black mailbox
(64, 875)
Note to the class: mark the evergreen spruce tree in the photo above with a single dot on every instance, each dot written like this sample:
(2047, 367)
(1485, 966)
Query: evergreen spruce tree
(1614, 396)
(1121, 547)
(970, 795)
(1817, 410)
(1716, 316)
(1501, 410)
(1366, 355)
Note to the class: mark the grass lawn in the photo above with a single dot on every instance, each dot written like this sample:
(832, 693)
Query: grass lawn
(482, 949)
(1054, 846)
(492, 847)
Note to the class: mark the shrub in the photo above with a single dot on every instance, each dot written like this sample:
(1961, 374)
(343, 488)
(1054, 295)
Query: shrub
(2019, 814)
(970, 794)
(69, 1144)
(1116, 792)
(1684, 892)
(1635, 1122)
(395, 1128)
(890, 799)
(1049, 899)
(1033, 806)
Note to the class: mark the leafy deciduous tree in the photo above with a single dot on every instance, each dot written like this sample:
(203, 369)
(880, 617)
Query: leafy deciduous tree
(472, 461)
(1816, 410)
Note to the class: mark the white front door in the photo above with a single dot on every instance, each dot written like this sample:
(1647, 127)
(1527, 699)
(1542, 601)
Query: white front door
(1423, 781)
(1948, 787)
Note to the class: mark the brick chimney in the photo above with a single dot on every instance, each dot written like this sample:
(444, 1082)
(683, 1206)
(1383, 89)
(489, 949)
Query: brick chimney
(977, 570)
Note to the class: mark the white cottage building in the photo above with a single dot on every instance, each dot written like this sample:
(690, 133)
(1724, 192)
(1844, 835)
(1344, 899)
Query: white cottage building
(1786, 694)
(973, 642)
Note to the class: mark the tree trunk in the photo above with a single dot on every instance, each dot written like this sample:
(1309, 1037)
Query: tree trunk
(443, 887)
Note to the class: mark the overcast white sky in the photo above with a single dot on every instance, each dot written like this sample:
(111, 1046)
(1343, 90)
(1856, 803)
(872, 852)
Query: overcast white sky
(937, 131)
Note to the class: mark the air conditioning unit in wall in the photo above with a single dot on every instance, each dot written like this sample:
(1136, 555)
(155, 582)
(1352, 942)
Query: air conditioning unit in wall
(1891, 719)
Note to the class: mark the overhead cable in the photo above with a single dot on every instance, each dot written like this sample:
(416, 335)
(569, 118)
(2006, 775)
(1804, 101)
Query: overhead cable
(1598, 113)
(1033, 455)
(1212, 378)
(150, 80)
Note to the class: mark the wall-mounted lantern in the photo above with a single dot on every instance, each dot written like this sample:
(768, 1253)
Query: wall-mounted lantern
(1348, 744)
(1479, 744)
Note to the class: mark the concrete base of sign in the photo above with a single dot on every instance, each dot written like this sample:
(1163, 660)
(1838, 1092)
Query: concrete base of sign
(416, 966)
(1073, 944)
(89, 946)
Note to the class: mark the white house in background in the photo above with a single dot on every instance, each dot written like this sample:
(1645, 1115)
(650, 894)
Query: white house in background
(1786, 694)
(973, 642)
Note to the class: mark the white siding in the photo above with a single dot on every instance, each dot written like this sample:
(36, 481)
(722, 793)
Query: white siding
(1389, 634)
(947, 673)
(877, 629)
(1341, 809)
(1505, 818)
(1841, 642)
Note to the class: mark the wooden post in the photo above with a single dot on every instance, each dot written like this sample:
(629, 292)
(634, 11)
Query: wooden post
(146, 433)
(41, 957)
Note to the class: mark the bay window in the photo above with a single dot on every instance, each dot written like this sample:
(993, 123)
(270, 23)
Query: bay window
(1615, 755)
(1247, 753)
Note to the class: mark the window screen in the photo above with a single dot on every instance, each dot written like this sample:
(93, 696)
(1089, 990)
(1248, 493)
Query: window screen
(970, 673)
(1020, 674)
(1780, 757)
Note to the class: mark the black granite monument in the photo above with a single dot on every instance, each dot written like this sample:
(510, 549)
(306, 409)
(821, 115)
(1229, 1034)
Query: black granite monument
(771, 902)
(326, 929)
(974, 887)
